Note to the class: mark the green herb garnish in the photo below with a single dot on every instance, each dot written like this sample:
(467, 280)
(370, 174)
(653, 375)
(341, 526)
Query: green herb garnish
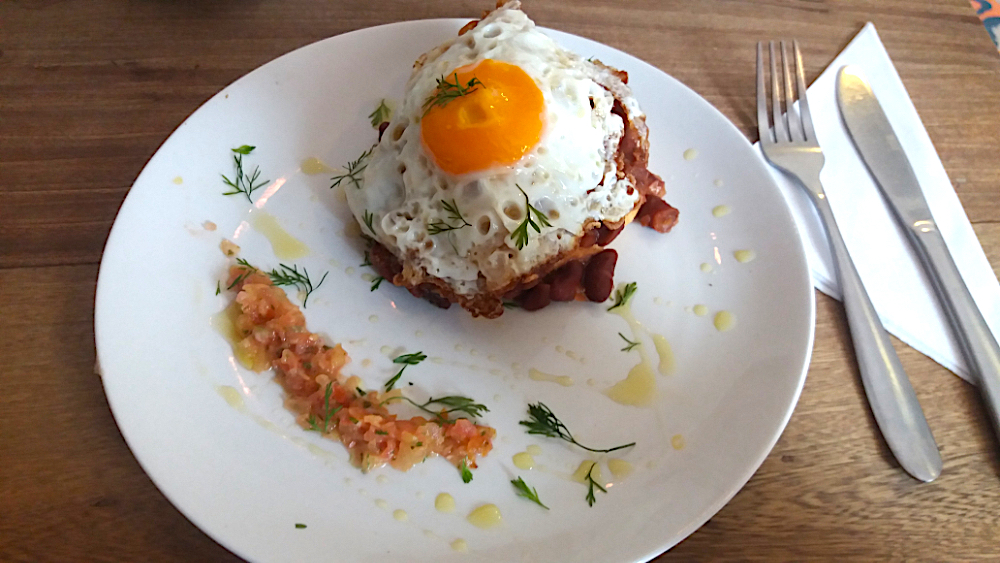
(381, 114)
(523, 490)
(327, 413)
(520, 234)
(446, 91)
(466, 472)
(511, 305)
(456, 403)
(407, 360)
(629, 344)
(299, 526)
(377, 282)
(368, 260)
(243, 183)
(454, 214)
(249, 270)
(623, 295)
(545, 422)
(368, 218)
(353, 171)
(591, 499)
(290, 275)
(218, 287)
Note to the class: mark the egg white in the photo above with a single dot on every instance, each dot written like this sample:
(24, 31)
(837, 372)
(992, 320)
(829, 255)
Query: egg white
(570, 175)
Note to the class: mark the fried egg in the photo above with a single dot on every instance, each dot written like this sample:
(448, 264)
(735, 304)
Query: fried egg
(499, 158)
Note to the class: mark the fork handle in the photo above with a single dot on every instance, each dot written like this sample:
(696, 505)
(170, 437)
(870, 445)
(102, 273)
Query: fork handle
(889, 392)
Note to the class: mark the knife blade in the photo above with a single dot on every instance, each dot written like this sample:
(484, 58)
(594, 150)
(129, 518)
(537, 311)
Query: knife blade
(881, 151)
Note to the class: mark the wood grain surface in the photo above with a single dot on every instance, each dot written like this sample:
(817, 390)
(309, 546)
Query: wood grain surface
(89, 90)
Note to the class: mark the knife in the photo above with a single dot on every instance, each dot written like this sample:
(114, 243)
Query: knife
(880, 149)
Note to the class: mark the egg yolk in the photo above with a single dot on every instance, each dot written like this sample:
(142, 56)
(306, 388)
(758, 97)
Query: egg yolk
(492, 125)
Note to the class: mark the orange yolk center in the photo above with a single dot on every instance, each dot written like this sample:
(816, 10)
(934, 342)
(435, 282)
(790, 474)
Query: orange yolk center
(494, 125)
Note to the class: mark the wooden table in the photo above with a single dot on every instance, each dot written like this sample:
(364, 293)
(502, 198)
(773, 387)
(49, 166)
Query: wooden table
(89, 90)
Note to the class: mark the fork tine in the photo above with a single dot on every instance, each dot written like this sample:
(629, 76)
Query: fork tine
(807, 124)
(763, 121)
(780, 128)
(795, 129)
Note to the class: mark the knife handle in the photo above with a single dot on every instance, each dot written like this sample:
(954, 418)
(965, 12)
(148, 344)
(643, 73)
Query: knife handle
(887, 387)
(974, 337)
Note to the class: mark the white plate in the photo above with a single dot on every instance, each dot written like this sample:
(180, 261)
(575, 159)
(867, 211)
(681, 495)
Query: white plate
(247, 476)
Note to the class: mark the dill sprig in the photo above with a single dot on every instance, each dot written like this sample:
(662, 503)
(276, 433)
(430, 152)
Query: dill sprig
(466, 472)
(353, 170)
(376, 282)
(218, 287)
(545, 422)
(523, 490)
(454, 214)
(369, 217)
(290, 275)
(447, 91)
(368, 260)
(511, 304)
(629, 344)
(247, 270)
(623, 295)
(455, 403)
(327, 412)
(381, 114)
(591, 499)
(242, 182)
(405, 359)
(520, 234)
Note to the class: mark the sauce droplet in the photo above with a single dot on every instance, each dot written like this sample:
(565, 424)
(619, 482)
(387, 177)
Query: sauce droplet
(721, 210)
(564, 380)
(224, 323)
(580, 475)
(178, 180)
(718, 182)
(523, 460)
(386, 350)
(400, 515)
(373, 319)
(444, 503)
(534, 449)
(231, 395)
(381, 503)
(460, 545)
(666, 353)
(637, 389)
(486, 516)
(744, 256)
(690, 154)
(677, 442)
(381, 479)
(313, 165)
(724, 320)
(706, 267)
(284, 245)
(620, 468)
(700, 310)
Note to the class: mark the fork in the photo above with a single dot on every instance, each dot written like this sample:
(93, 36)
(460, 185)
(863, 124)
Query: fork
(790, 145)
